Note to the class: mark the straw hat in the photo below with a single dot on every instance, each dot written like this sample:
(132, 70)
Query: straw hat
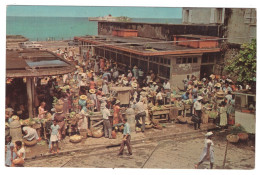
(150, 81)
(92, 91)
(154, 83)
(212, 76)
(200, 98)
(83, 97)
(209, 134)
(217, 85)
(117, 101)
(135, 67)
(144, 88)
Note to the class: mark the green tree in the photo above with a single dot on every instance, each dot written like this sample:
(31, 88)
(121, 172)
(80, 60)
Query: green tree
(243, 66)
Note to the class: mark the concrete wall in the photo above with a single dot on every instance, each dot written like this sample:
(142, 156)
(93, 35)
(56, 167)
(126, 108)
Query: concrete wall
(241, 25)
(179, 72)
(203, 15)
(160, 31)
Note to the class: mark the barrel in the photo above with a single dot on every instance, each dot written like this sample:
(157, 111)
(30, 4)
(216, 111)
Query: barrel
(15, 130)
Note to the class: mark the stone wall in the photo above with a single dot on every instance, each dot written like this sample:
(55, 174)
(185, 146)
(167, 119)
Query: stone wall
(160, 31)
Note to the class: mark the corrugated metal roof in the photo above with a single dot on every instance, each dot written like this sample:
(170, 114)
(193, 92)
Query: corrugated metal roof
(35, 63)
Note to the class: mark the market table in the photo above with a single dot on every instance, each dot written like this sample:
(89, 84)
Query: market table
(156, 113)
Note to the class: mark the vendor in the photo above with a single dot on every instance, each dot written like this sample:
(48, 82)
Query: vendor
(116, 115)
(59, 117)
(30, 134)
(41, 111)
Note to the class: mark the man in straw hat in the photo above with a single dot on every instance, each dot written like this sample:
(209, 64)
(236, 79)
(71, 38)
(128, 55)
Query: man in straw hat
(197, 111)
(208, 151)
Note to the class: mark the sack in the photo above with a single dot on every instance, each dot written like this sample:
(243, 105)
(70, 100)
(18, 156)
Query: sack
(195, 118)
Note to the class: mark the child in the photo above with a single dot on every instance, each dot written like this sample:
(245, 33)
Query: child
(55, 136)
(20, 154)
(9, 151)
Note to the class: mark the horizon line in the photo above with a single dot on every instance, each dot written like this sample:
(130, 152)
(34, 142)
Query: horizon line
(86, 17)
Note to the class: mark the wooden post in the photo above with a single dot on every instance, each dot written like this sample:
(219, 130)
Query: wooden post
(29, 95)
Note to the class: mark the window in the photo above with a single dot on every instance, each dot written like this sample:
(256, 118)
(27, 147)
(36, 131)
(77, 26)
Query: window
(165, 60)
(164, 71)
(195, 60)
(184, 60)
(189, 60)
(178, 60)
(169, 62)
(161, 60)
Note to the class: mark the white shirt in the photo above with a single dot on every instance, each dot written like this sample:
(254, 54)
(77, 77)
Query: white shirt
(22, 150)
(159, 96)
(139, 107)
(197, 105)
(105, 113)
(167, 86)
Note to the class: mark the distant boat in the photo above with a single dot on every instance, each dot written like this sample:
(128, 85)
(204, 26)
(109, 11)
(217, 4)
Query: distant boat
(110, 18)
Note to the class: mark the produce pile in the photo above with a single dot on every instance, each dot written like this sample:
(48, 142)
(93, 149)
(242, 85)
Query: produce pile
(212, 114)
(75, 138)
(158, 108)
(32, 121)
(187, 102)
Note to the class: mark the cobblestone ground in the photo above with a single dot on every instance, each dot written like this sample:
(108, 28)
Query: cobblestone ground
(181, 153)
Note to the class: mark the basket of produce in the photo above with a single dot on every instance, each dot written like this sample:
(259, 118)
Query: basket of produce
(159, 126)
(75, 138)
(27, 122)
(58, 107)
(242, 136)
(148, 126)
(182, 119)
(213, 114)
(232, 138)
(29, 143)
(97, 133)
(220, 94)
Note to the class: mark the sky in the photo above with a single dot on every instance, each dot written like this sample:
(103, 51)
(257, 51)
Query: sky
(92, 11)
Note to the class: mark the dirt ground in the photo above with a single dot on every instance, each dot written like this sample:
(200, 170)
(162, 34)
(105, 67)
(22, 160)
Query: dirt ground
(175, 152)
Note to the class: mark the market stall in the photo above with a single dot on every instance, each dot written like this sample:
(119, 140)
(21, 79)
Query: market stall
(122, 94)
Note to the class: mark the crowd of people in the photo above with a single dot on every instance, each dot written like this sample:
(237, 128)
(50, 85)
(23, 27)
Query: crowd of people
(88, 89)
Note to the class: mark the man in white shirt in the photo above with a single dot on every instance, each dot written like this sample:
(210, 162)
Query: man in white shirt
(107, 126)
(197, 111)
(140, 112)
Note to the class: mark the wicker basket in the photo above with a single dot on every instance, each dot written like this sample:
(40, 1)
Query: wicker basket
(29, 143)
(75, 140)
(148, 126)
(242, 136)
(182, 119)
(97, 133)
(232, 138)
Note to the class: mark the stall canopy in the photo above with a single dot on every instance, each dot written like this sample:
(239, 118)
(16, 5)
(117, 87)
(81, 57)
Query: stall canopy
(31, 63)
(34, 63)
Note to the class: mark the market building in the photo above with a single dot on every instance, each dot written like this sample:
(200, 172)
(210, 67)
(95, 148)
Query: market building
(172, 60)
(24, 68)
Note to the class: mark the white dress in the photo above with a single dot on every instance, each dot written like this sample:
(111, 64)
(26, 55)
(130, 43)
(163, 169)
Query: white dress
(211, 151)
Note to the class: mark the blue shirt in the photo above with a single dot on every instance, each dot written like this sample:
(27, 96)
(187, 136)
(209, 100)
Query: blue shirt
(184, 97)
(126, 129)
(54, 129)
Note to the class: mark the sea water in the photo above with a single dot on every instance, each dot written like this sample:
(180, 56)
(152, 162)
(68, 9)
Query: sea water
(62, 28)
